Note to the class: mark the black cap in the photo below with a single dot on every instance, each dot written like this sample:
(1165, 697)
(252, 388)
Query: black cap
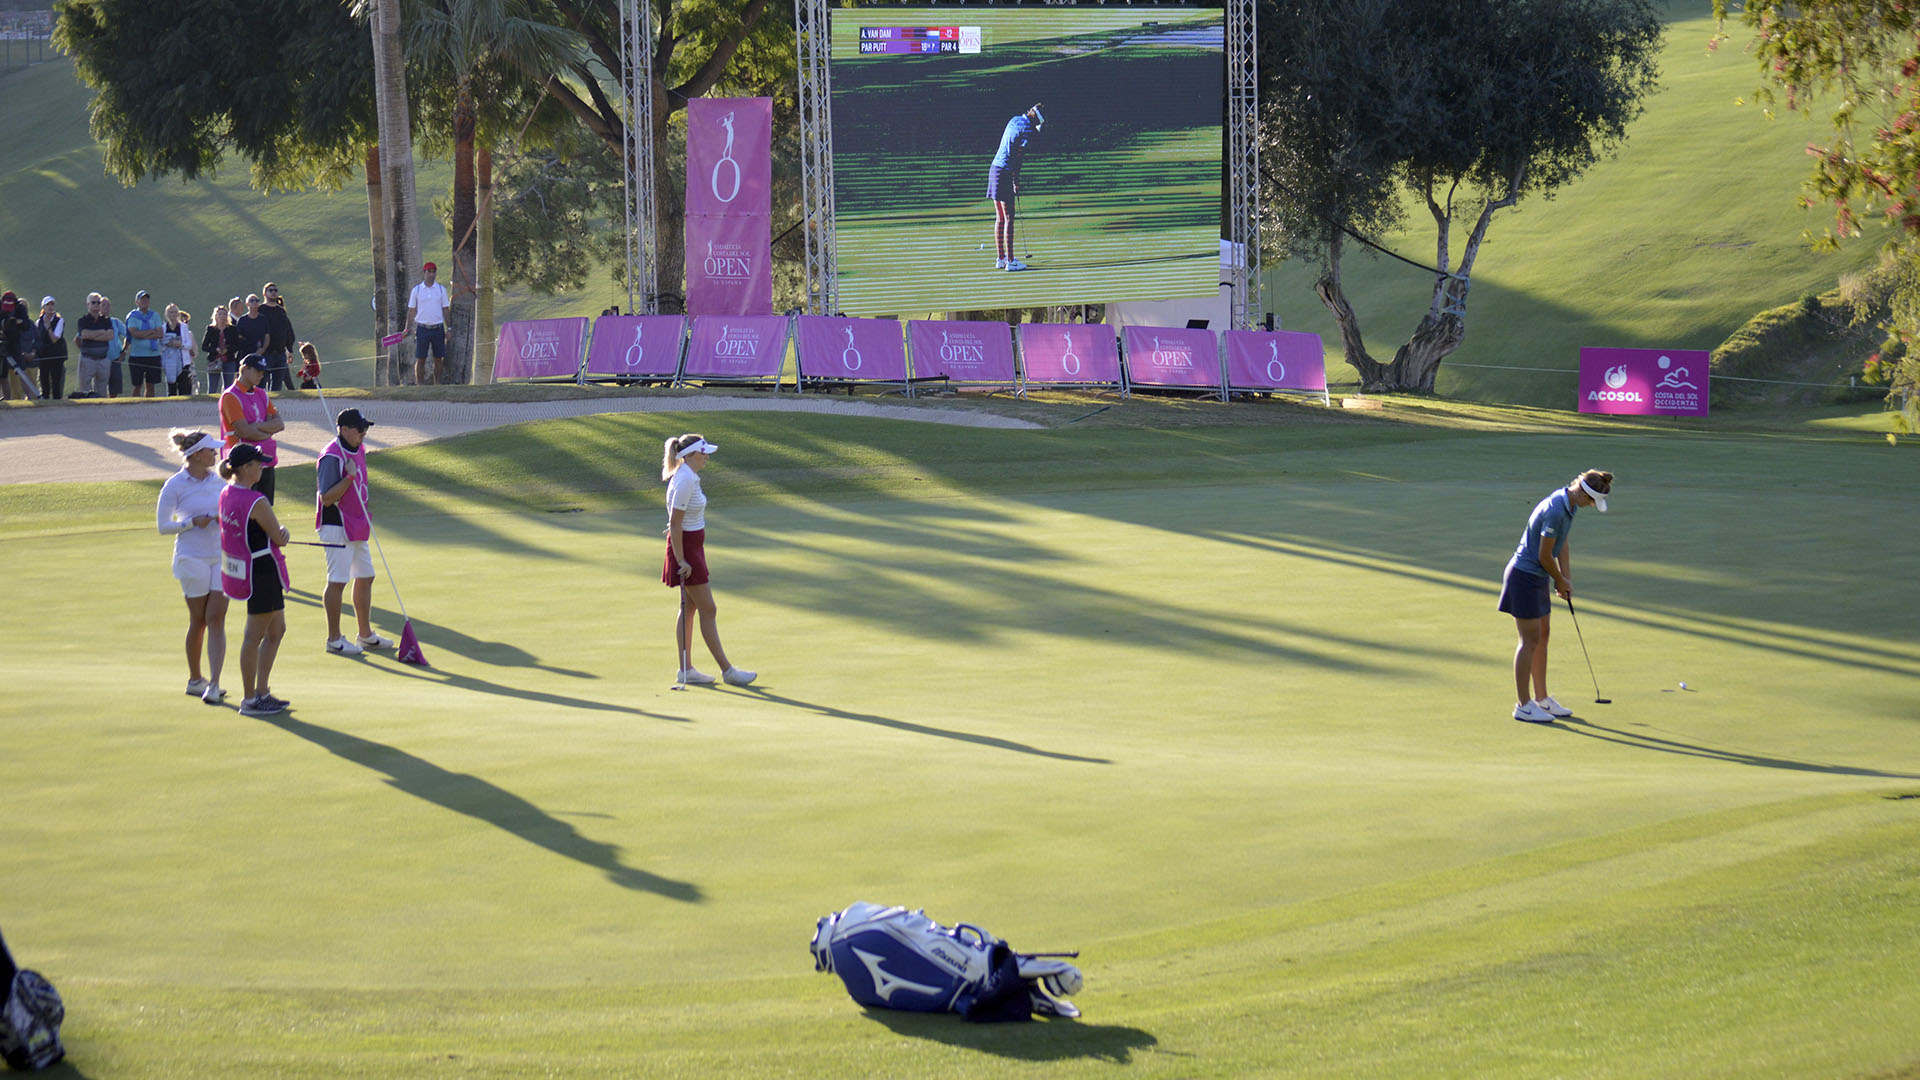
(352, 418)
(255, 361)
(245, 454)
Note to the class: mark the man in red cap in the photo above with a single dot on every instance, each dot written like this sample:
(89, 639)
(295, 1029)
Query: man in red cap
(427, 318)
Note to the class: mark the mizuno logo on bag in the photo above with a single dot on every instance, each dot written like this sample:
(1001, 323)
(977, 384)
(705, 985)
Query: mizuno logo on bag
(884, 984)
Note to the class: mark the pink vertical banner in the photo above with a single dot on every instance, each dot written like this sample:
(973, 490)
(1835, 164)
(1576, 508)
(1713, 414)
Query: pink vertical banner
(1166, 356)
(1644, 382)
(1276, 360)
(727, 347)
(539, 349)
(965, 352)
(1069, 353)
(851, 349)
(729, 206)
(636, 346)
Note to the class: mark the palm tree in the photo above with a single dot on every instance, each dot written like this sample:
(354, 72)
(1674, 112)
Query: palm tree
(463, 36)
(396, 168)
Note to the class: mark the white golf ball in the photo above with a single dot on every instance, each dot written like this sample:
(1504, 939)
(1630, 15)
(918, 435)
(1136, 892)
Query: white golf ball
(1683, 686)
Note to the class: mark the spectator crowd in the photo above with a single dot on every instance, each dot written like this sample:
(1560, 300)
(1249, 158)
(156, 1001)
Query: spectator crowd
(149, 352)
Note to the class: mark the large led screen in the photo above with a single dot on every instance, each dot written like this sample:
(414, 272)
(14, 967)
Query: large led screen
(1096, 131)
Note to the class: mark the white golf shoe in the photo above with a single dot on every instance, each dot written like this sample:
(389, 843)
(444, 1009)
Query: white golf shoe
(340, 646)
(196, 687)
(739, 676)
(693, 677)
(1532, 714)
(1554, 707)
(1016, 264)
(374, 641)
(999, 264)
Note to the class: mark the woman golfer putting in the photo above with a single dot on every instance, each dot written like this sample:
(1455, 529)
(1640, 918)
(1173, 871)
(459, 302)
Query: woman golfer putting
(1545, 556)
(189, 511)
(252, 569)
(686, 563)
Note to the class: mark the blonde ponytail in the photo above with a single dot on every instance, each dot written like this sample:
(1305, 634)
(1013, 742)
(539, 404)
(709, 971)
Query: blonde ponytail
(670, 453)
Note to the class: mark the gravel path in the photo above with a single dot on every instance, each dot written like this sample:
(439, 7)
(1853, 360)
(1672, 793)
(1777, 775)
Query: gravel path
(55, 443)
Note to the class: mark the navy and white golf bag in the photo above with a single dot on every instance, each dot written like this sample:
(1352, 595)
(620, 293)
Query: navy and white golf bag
(30, 1016)
(892, 958)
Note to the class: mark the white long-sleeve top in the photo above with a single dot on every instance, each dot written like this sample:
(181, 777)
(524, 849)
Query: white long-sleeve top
(182, 498)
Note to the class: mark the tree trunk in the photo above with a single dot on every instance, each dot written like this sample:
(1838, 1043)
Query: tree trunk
(396, 167)
(670, 201)
(1372, 374)
(1418, 361)
(466, 246)
(483, 331)
(376, 217)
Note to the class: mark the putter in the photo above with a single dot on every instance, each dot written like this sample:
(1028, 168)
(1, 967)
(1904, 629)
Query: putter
(1597, 699)
(680, 631)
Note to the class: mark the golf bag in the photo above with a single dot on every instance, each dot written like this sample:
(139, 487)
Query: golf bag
(30, 1017)
(889, 957)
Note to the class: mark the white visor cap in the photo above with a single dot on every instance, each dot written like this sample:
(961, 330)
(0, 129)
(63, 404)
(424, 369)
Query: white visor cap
(701, 447)
(1599, 500)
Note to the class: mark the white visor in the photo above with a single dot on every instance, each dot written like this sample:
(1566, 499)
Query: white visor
(701, 447)
(207, 442)
(1039, 118)
(1599, 500)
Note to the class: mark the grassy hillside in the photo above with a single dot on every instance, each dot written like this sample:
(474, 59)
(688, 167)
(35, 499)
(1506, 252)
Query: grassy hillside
(67, 228)
(1675, 243)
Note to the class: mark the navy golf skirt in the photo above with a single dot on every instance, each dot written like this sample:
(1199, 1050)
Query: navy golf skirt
(694, 543)
(1524, 595)
(999, 184)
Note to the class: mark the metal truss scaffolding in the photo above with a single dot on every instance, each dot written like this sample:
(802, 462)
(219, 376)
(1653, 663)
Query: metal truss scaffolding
(643, 223)
(1243, 161)
(814, 32)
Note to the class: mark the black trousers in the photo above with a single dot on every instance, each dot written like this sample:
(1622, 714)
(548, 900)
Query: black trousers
(53, 377)
(115, 380)
(265, 486)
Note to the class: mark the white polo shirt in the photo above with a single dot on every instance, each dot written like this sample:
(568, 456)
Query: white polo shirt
(429, 304)
(684, 493)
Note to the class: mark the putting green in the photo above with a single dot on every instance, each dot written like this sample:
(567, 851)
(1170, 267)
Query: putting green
(1223, 706)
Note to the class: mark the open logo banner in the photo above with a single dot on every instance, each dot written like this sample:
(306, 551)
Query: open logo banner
(965, 352)
(1644, 382)
(1069, 353)
(729, 347)
(1276, 360)
(539, 349)
(729, 206)
(636, 346)
(841, 348)
(1165, 356)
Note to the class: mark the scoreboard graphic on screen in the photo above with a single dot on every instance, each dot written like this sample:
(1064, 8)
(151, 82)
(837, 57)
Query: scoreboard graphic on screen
(1099, 129)
(918, 40)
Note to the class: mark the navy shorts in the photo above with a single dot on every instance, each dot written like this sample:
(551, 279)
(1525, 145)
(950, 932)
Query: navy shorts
(267, 596)
(1524, 595)
(693, 542)
(143, 370)
(430, 339)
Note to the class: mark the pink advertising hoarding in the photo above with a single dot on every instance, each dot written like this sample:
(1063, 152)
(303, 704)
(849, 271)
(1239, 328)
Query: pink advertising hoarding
(1644, 382)
(841, 348)
(636, 346)
(1069, 353)
(729, 206)
(730, 347)
(1276, 360)
(539, 349)
(1166, 356)
(965, 352)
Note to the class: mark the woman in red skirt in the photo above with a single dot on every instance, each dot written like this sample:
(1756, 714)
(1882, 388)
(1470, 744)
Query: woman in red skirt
(686, 563)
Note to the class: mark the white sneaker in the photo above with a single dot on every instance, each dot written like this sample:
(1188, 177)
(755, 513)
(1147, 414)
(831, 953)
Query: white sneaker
(196, 687)
(739, 676)
(374, 641)
(999, 264)
(340, 646)
(1553, 707)
(1532, 714)
(213, 695)
(1015, 264)
(696, 678)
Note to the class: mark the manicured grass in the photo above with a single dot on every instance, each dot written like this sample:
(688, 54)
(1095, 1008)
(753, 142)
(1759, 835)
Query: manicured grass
(1221, 704)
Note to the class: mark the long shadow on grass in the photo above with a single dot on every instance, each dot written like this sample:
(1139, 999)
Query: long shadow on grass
(476, 798)
(1048, 1040)
(1734, 757)
(482, 686)
(496, 653)
(920, 729)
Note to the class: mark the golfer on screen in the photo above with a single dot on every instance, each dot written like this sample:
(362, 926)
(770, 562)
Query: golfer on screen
(1545, 558)
(1003, 183)
(686, 563)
